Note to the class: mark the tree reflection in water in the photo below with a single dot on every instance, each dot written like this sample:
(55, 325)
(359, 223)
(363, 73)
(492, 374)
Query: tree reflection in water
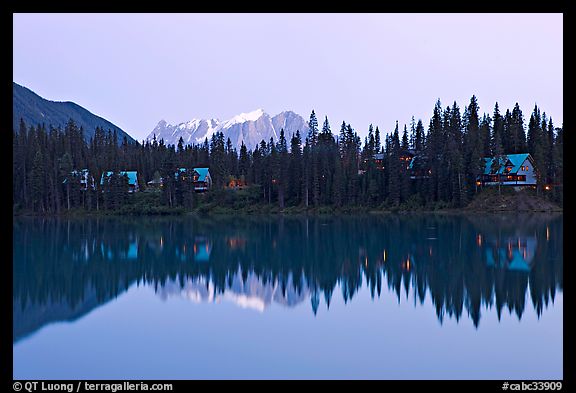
(64, 268)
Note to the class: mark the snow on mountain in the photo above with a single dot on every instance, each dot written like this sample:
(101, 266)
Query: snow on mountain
(250, 293)
(249, 128)
(244, 117)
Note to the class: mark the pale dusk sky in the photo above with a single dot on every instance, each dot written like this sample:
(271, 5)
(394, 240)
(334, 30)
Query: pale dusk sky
(136, 69)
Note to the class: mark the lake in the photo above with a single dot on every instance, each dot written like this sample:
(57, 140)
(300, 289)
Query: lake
(418, 296)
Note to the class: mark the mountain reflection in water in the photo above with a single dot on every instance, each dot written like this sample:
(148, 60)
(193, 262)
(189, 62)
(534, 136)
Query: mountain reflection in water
(65, 268)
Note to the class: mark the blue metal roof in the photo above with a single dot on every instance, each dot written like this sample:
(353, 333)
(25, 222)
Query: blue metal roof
(515, 160)
(179, 171)
(518, 263)
(132, 251)
(203, 254)
(132, 176)
(202, 172)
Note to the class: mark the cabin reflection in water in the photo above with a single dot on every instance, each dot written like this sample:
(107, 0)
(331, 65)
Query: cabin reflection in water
(195, 248)
(202, 248)
(198, 251)
(515, 254)
(111, 254)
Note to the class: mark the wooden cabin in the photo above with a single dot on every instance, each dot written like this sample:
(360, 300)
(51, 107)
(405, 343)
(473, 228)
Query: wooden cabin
(509, 170)
(132, 179)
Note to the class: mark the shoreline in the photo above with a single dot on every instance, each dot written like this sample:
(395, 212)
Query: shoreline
(315, 212)
(487, 202)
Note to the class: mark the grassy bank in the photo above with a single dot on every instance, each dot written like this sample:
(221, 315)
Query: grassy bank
(244, 202)
(229, 202)
(490, 200)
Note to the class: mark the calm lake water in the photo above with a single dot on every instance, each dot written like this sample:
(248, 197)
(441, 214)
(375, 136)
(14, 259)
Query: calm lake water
(385, 297)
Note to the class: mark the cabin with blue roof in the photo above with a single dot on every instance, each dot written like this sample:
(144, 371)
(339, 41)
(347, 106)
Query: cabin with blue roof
(132, 179)
(85, 178)
(509, 170)
(378, 159)
(202, 179)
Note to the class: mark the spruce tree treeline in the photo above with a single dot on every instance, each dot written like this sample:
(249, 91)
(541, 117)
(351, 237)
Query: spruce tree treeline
(314, 168)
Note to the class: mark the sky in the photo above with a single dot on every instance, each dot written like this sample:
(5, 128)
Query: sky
(137, 69)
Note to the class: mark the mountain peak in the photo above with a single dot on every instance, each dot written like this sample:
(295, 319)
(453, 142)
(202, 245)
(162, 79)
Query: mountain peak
(244, 117)
(255, 114)
(34, 110)
(249, 128)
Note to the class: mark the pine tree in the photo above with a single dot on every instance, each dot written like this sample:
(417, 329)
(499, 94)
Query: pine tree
(37, 184)
(343, 139)
(218, 167)
(507, 139)
(473, 146)
(314, 179)
(21, 165)
(282, 183)
(443, 168)
(559, 164)
(168, 172)
(338, 188)
(551, 154)
(496, 147)
(518, 135)
(546, 150)
(405, 142)
(244, 161)
(496, 144)
(455, 162)
(295, 169)
(254, 176)
(371, 143)
(433, 153)
(485, 132)
(394, 177)
(412, 134)
(65, 172)
(231, 160)
(273, 168)
(419, 138)
(307, 172)
(326, 150)
(536, 146)
(313, 129)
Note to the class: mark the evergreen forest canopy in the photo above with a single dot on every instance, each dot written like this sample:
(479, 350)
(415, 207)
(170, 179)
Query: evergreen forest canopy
(315, 168)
